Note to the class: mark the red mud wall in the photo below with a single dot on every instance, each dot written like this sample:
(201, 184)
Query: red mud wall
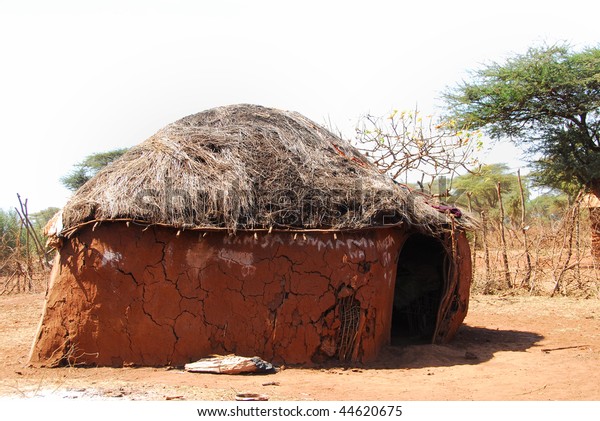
(455, 303)
(123, 295)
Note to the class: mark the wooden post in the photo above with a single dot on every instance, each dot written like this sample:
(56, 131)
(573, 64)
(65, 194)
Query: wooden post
(475, 238)
(486, 253)
(503, 238)
(527, 278)
(578, 245)
(570, 228)
(24, 216)
(18, 256)
(29, 268)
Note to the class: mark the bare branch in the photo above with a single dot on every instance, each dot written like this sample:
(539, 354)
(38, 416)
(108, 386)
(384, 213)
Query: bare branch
(404, 142)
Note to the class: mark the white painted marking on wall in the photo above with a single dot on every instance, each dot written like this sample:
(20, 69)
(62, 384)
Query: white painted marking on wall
(356, 254)
(241, 258)
(386, 259)
(386, 243)
(356, 247)
(111, 258)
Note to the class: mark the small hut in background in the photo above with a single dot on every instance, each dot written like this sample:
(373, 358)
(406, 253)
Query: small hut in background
(251, 231)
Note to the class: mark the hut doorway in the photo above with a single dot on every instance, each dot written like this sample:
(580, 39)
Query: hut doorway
(418, 290)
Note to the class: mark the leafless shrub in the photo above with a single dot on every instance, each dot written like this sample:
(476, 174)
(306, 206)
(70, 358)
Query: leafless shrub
(406, 142)
(561, 261)
(24, 266)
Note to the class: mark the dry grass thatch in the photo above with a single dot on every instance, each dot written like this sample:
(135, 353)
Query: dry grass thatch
(247, 167)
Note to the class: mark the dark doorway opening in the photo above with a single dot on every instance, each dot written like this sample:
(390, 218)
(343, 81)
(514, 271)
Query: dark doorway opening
(418, 290)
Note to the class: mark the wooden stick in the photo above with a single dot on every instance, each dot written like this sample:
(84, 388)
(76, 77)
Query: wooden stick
(358, 336)
(475, 238)
(23, 215)
(570, 230)
(527, 277)
(503, 238)
(68, 232)
(486, 253)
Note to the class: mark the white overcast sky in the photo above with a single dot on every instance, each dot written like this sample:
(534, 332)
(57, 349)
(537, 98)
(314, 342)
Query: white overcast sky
(78, 77)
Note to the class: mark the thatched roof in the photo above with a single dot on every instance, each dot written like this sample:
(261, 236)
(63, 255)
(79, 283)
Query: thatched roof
(246, 167)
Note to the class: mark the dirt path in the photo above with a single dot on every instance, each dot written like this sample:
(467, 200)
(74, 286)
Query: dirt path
(511, 348)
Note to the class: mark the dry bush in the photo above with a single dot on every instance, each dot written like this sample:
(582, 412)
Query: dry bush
(24, 265)
(20, 275)
(560, 256)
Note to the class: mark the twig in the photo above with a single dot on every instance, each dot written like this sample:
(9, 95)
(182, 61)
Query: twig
(534, 390)
(562, 348)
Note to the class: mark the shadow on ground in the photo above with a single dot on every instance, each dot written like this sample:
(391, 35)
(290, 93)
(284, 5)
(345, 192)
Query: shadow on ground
(472, 345)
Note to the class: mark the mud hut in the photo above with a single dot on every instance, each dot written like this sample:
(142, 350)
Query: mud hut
(251, 231)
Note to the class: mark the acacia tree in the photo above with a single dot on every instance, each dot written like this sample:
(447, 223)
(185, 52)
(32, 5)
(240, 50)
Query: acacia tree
(547, 100)
(9, 232)
(87, 168)
(481, 189)
(548, 206)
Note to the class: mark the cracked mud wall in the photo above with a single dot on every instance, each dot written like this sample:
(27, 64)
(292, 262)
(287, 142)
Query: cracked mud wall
(127, 295)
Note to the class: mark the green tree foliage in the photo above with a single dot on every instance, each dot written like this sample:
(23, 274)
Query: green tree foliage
(551, 206)
(87, 168)
(482, 188)
(41, 218)
(547, 100)
(9, 232)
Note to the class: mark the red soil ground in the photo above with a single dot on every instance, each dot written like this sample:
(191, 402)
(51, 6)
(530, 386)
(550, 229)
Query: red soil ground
(510, 348)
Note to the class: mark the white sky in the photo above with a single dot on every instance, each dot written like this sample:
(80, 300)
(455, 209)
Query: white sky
(78, 77)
